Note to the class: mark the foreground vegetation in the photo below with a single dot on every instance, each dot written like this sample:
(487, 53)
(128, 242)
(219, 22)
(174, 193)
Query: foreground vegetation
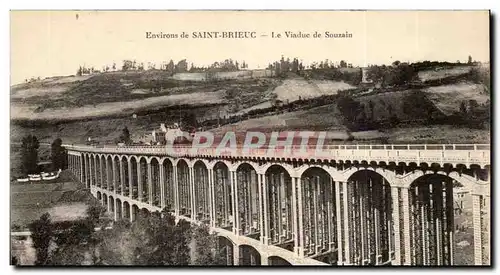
(152, 240)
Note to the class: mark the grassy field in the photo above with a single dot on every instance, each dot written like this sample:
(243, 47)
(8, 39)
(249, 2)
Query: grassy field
(447, 98)
(442, 73)
(29, 112)
(320, 118)
(439, 134)
(402, 104)
(292, 89)
(29, 201)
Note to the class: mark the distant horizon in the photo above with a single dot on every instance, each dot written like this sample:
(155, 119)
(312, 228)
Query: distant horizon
(55, 43)
(119, 69)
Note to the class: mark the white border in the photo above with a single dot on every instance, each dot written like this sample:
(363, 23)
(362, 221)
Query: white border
(197, 5)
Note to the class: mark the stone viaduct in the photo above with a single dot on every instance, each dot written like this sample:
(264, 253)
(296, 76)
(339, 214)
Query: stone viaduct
(353, 205)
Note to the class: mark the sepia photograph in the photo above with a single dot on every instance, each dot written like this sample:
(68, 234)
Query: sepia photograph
(250, 138)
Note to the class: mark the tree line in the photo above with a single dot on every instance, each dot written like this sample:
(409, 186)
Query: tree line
(29, 155)
(182, 66)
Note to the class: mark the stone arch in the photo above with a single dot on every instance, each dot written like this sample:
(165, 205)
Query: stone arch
(184, 188)
(144, 191)
(134, 213)
(91, 170)
(127, 211)
(155, 180)
(202, 197)
(95, 170)
(278, 208)
(388, 175)
(187, 161)
(84, 175)
(118, 209)
(134, 157)
(116, 174)
(134, 180)
(467, 181)
(111, 204)
(254, 165)
(159, 159)
(169, 159)
(212, 164)
(141, 157)
(204, 161)
(278, 261)
(169, 185)
(105, 200)
(123, 159)
(431, 219)
(287, 167)
(248, 199)
(99, 196)
(318, 197)
(225, 247)
(223, 205)
(108, 172)
(373, 203)
(248, 255)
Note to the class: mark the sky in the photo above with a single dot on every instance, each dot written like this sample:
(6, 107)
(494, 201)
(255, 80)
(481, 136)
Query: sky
(52, 43)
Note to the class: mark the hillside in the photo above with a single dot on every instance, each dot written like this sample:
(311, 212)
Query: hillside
(99, 106)
(115, 94)
(293, 89)
(448, 97)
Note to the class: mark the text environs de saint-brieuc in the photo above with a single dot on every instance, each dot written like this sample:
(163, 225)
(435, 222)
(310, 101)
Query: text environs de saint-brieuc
(247, 34)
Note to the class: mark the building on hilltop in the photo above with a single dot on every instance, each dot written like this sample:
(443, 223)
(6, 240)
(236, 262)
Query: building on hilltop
(160, 135)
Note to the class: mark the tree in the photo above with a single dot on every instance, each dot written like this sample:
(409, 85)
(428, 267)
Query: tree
(29, 154)
(67, 254)
(162, 236)
(473, 105)
(182, 66)
(79, 72)
(376, 74)
(127, 65)
(190, 120)
(350, 109)
(58, 155)
(389, 110)
(41, 234)
(170, 67)
(469, 60)
(151, 240)
(463, 108)
(343, 64)
(94, 212)
(371, 107)
(362, 117)
(205, 247)
(402, 73)
(125, 136)
(14, 260)
(182, 234)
